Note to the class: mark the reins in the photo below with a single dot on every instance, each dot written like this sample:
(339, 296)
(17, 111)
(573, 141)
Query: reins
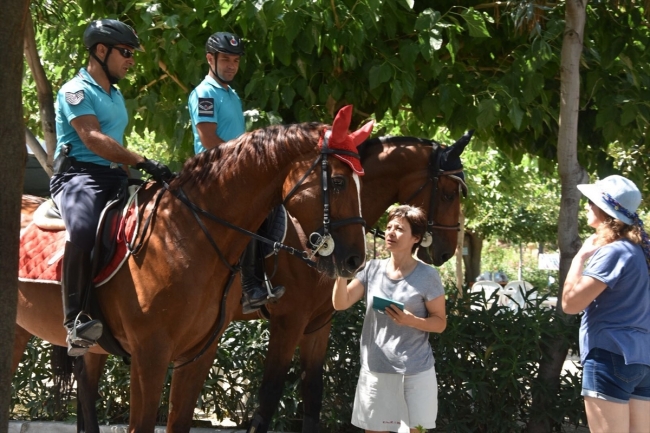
(306, 257)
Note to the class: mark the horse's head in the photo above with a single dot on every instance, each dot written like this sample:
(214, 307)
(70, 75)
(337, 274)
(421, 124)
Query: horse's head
(335, 230)
(441, 201)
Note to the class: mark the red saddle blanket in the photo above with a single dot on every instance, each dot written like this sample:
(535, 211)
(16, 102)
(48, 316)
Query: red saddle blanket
(41, 252)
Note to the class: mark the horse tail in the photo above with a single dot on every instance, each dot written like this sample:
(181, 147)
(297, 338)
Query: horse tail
(61, 365)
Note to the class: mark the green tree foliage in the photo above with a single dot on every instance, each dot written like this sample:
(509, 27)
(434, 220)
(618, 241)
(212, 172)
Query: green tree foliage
(511, 202)
(430, 64)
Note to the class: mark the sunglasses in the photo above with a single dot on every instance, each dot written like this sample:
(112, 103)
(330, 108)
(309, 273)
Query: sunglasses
(127, 54)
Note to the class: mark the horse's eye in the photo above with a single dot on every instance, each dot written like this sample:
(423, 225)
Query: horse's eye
(450, 197)
(338, 183)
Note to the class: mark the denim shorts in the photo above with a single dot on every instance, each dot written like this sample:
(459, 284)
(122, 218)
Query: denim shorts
(606, 376)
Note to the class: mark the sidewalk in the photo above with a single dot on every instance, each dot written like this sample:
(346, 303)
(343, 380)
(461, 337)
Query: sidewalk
(61, 427)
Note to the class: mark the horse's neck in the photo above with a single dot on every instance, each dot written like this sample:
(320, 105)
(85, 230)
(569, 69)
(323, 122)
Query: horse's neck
(387, 166)
(243, 195)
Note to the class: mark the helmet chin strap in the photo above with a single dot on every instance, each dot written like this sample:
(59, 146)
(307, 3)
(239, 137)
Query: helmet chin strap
(214, 72)
(111, 78)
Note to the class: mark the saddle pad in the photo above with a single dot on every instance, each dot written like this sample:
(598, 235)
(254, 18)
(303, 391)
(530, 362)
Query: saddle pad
(41, 252)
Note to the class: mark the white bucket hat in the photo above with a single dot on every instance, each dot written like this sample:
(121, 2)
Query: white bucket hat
(617, 196)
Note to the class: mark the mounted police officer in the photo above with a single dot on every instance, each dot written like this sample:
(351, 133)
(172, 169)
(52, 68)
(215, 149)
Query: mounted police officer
(90, 163)
(217, 116)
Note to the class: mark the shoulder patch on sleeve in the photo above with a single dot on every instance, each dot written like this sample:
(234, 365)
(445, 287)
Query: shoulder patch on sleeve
(74, 98)
(206, 107)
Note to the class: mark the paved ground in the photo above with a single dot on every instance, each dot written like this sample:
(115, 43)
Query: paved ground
(59, 427)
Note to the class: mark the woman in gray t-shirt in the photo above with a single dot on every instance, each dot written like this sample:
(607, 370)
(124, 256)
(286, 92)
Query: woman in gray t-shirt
(397, 383)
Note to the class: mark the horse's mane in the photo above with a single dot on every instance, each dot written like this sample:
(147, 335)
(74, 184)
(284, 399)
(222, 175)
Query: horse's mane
(261, 147)
(364, 148)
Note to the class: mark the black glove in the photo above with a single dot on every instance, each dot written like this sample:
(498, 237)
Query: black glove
(160, 172)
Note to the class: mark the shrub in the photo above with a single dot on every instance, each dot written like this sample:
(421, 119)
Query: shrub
(486, 360)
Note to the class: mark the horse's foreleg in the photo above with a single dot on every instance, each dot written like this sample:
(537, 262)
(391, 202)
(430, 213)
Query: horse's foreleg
(88, 371)
(187, 383)
(148, 372)
(284, 337)
(313, 348)
(21, 337)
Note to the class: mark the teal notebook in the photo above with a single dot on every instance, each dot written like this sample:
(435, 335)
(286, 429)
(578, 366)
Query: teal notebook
(379, 304)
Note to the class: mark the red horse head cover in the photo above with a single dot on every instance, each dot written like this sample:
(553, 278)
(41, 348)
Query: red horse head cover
(341, 140)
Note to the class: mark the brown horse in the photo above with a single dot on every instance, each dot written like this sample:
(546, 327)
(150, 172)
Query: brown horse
(398, 169)
(165, 304)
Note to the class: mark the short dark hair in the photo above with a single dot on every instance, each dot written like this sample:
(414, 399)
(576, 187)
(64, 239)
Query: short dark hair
(416, 218)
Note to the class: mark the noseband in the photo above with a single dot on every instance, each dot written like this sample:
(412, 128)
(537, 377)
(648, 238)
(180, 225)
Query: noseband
(321, 241)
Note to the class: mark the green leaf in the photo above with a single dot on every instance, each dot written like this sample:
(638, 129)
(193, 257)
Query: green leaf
(306, 42)
(515, 113)
(292, 25)
(629, 114)
(435, 39)
(488, 113)
(380, 74)
(287, 95)
(397, 94)
(408, 52)
(475, 23)
(426, 20)
(408, 83)
(282, 50)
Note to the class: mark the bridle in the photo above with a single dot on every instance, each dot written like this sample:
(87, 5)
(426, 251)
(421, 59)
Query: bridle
(321, 240)
(434, 173)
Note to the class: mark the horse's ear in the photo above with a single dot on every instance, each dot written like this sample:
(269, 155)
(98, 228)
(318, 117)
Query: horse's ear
(361, 134)
(457, 148)
(341, 124)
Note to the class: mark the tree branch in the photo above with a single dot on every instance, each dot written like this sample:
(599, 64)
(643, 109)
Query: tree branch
(44, 92)
(38, 151)
(163, 66)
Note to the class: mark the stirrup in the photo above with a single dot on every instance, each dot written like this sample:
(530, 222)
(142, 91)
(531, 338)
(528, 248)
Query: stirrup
(85, 333)
(75, 350)
(273, 293)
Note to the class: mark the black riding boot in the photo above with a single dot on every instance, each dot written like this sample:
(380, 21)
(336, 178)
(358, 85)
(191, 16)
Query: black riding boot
(254, 292)
(83, 332)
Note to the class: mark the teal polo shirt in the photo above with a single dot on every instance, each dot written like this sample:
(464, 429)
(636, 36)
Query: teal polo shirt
(83, 96)
(211, 102)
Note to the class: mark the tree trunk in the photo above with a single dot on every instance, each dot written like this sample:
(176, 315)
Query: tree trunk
(12, 169)
(45, 95)
(474, 244)
(459, 255)
(571, 174)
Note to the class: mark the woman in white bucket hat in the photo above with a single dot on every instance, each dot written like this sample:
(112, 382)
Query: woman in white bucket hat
(613, 289)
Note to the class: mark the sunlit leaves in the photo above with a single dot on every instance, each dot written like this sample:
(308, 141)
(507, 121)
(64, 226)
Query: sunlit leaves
(443, 65)
(475, 23)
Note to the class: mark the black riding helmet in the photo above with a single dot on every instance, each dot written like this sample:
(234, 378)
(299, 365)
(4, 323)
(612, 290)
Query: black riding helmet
(223, 42)
(111, 32)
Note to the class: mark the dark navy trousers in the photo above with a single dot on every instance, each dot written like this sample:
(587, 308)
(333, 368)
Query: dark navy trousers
(81, 194)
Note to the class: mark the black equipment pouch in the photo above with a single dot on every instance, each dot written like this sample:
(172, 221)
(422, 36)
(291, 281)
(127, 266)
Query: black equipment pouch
(63, 162)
